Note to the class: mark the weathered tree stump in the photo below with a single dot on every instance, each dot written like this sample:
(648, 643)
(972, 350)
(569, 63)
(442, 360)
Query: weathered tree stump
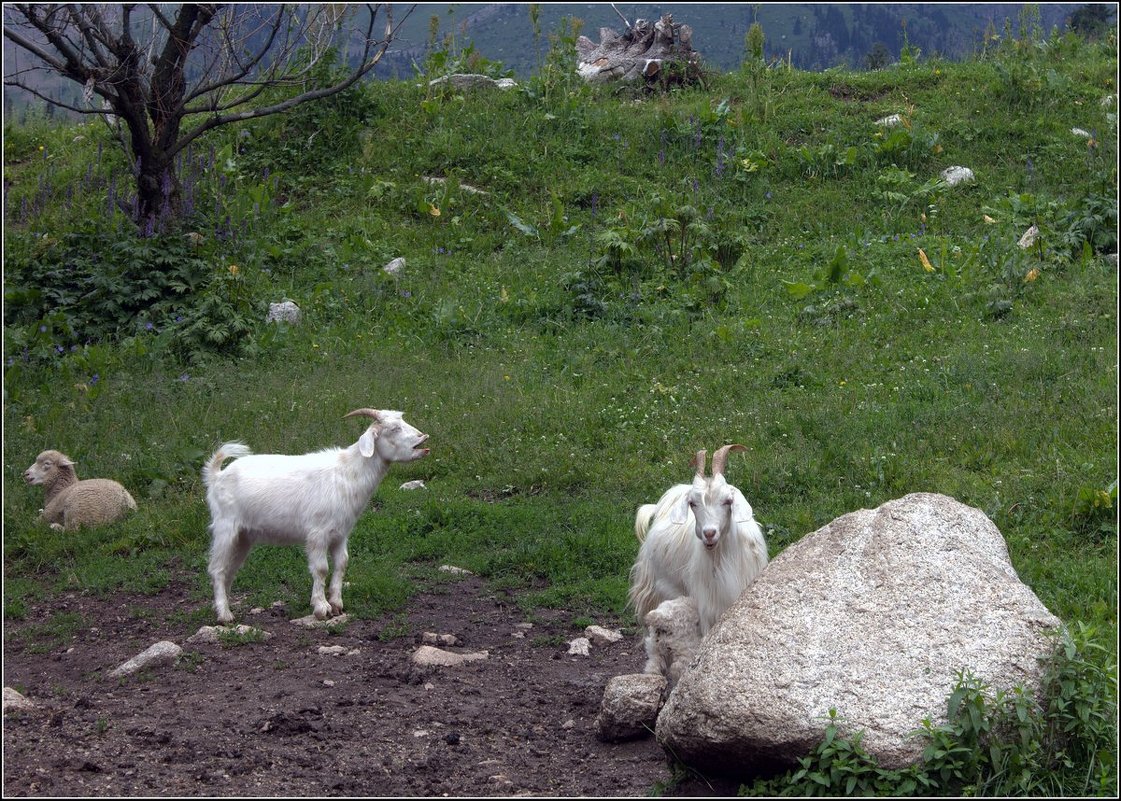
(653, 52)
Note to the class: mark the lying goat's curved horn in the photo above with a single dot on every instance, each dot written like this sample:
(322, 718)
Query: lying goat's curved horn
(698, 462)
(374, 413)
(720, 458)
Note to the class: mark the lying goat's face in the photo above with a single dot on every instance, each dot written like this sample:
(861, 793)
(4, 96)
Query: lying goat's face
(46, 463)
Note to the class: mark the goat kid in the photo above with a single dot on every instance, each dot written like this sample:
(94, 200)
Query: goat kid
(699, 540)
(312, 500)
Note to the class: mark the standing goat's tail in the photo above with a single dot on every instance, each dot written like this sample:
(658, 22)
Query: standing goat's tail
(230, 450)
(643, 519)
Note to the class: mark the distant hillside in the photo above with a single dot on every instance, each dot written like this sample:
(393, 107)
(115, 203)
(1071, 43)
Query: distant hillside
(813, 36)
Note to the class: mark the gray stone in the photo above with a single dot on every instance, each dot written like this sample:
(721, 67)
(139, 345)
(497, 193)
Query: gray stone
(284, 312)
(162, 653)
(467, 80)
(872, 615)
(601, 636)
(212, 634)
(630, 706)
(413, 485)
(14, 701)
(581, 646)
(428, 655)
(312, 622)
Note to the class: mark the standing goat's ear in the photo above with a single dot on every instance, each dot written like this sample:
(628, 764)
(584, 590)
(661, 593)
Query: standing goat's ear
(367, 440)
(680, 513)
(741, 509)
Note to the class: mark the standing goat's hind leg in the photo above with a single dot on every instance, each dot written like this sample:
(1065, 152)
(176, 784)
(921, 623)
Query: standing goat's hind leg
(227, 553)
(317, 565)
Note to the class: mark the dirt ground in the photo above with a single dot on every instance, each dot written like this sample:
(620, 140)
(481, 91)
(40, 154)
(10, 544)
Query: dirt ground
(277, 718)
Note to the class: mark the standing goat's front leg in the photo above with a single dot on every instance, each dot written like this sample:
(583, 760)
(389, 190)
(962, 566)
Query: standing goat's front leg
(317, 564)
(339, 558)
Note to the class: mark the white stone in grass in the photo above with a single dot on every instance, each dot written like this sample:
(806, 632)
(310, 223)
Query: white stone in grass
(413, 485)
(1029, 238)
(890, 121)
(396, 266)
(957, 175)
(1081, 132)
(284, 312)
(455, 571)
(212, 634)
(312, 622)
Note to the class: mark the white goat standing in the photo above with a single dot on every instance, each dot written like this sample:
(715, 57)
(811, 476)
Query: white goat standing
(699, 540)
(313, 500)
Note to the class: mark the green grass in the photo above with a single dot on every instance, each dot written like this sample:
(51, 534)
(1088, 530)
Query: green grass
(563, 367)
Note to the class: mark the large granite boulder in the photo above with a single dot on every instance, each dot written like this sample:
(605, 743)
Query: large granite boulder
(872, 615)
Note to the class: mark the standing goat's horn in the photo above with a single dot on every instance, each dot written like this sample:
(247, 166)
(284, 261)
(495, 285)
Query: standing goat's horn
(374, 413)
(698, 462)
(720, 458)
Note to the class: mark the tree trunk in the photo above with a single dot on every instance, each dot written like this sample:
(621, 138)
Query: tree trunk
(647, 51)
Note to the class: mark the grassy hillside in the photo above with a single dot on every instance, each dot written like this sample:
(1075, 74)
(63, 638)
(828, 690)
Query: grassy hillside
(599, 284)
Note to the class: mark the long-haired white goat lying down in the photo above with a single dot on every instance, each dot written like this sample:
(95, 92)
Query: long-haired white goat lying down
(699, 540)
(312, 500)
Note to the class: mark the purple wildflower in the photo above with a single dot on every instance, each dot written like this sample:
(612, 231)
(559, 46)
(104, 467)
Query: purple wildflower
(184, 377)
(95, 378)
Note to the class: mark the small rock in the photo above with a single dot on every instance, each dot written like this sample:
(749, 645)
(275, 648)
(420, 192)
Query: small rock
(283, 312)
(630, 705)
(428, 655)
(568, 724)
(890, 122)
(456, 571)
(331, 650)
(162, 653)
(472, 81)
(1029, 238)
(431, 638)
(413, 485)
(312, 622)
(601, 636)
(579, 647)
(14, 701)
(957, 175)
(452, 738)
(194, 238)
(328, 683)
(211, 634)
(1080, 132)
(256, 610)
(395, 266)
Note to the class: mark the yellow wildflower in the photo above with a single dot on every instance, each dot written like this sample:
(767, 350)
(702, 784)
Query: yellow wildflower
(234, 269)
(1032, 275)
(435, 212)
(988, 219)
(926, 265)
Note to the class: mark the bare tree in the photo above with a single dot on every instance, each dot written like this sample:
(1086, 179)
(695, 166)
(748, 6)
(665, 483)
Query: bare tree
(165, 74)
